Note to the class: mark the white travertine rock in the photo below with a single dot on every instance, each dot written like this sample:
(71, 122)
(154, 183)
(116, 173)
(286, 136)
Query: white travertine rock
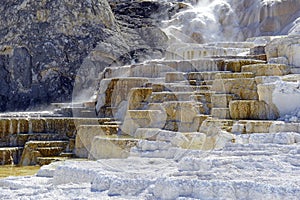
(281, 126)
(85, 136)
(234, 20)
(285, 47)
(196, 140)
(282, 96)
(135, 119)
(106, 148)
(145, 145)
(286, 96)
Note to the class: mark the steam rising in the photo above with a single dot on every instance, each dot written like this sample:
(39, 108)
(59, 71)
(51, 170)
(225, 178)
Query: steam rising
(233, 20)
(208, 21)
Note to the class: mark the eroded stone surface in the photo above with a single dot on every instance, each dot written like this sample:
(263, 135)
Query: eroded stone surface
(245, 109)
(267, 69)
(244, 88)
(285, 47)
(104, 147)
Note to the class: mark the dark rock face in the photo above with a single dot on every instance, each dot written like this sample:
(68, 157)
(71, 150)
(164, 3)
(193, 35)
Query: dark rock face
(44, 43)
(139, 21)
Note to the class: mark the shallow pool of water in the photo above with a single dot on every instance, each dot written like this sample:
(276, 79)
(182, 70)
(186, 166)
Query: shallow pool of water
(9, 170)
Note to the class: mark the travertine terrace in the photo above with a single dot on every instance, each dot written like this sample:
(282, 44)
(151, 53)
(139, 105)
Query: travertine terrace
(216, 120)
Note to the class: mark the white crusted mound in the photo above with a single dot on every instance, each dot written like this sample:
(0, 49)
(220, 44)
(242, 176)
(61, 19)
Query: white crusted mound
(286, 96)
(259, 166)
(235, 20)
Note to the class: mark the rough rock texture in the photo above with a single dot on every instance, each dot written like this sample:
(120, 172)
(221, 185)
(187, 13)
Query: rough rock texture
(284, 50)
(235, 20)
(243, 109)
(280, 95)
(267, 17)
(261, 166)
(267, 69)
(44, 43)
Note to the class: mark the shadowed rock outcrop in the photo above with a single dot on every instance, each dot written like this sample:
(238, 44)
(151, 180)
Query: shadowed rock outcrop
(44, 43)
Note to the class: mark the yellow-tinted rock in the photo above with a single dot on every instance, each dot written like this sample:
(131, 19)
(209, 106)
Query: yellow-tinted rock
(244, 88)
(234, 75)
(196, 140)
(249, 109)
(9, 155)
(137, 97)
(135, 119)
(221, 113)
(86, 134)
(184, 111)
(285, 47)
(172, 77)
(31, 150)
(265, 93)
(221, 100)
(105, 148)
(212, 126)
(114, 93)
(267, 69)
(236, 65)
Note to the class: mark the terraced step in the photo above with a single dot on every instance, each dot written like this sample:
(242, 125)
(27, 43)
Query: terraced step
(23, 138)
(213, 126)
(87, 104)
(10, 155)
(189, 87)
(111, 147)
(234, 75)
(243, 88)
(207, 94)
(232, 44)
(198, 98)
(267, 69)
(221, 113)
(142, 118)
(235, 65)
(50, 151)
(34, 149)
(173, 77)
(280, 126)
(147, 70)
(86, 134)
(160, 97)
(194, 51)
(262, 57)
(192, 65)
(204, 76)
(251, 109)
(29, 114)
(254, 126)
(47, 160)
(221, 100)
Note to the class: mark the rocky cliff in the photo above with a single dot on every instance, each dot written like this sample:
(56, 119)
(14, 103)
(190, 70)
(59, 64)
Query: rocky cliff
(44, 43)
(48, 46)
